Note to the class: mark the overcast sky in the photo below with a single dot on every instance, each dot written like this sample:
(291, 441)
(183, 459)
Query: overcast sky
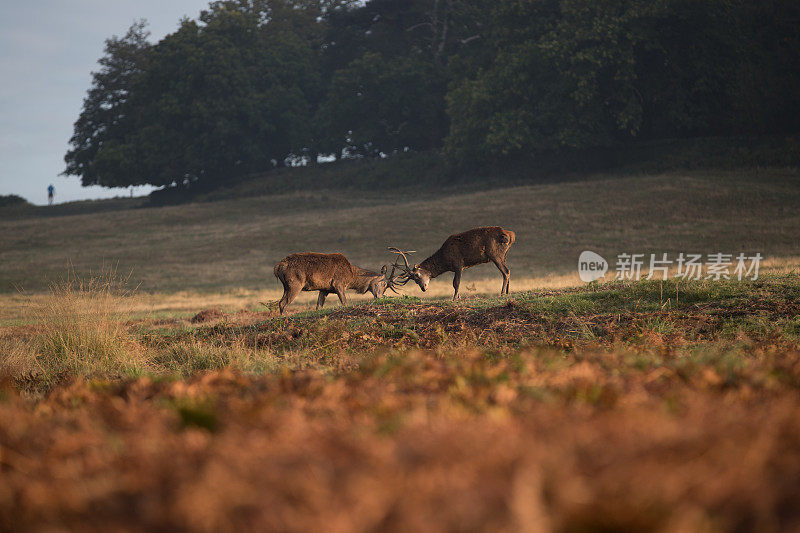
(48, 49)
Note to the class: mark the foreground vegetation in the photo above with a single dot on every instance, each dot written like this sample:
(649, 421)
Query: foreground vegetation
(645, 406)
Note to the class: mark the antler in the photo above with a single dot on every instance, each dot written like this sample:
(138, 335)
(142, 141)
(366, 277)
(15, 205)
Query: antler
(402, 254)
(403, 278)
(391, 283)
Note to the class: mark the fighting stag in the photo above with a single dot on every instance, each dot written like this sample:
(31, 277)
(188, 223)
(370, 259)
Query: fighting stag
(460, 251)
(328, 273)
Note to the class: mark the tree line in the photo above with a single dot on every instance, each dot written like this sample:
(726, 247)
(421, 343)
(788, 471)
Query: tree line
(253, 84)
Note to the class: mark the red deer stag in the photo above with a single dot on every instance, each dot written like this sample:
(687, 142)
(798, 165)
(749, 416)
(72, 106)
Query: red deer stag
(327, 273)
(460, 251)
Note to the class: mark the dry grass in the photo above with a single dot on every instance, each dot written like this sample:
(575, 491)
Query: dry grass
(190, 355)
(542, 441)
(80, 329)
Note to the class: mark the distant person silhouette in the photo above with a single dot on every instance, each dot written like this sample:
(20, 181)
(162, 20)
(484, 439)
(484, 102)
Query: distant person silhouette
(51, 192)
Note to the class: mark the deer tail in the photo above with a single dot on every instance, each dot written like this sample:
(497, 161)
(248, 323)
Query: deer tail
(280, 273)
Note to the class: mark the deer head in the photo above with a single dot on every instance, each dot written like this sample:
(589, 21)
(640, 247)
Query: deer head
(379, 284)
(415, 273)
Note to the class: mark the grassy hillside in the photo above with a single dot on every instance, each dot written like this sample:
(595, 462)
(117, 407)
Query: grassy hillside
(234, 243)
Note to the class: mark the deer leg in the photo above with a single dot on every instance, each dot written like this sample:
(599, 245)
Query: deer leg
(506, 272)
(340, 293)
(284, 301)
(289, 294)
(506, 278)
(456, 282)
(321, 299)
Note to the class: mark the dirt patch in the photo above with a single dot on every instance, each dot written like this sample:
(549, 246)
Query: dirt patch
(207, 315)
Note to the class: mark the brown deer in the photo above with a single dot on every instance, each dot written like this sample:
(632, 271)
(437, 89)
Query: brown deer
(460, 251)
(327, 273)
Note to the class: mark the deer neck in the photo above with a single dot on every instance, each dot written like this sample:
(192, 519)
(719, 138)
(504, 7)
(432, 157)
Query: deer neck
(433, 266)
(362, 278)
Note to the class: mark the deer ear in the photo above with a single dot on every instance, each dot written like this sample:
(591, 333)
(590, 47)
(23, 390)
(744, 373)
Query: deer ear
(383, 270)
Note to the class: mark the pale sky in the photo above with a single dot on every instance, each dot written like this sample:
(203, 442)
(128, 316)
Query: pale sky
(48, 49)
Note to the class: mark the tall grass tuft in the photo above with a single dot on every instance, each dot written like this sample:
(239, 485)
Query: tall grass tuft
(80, 329)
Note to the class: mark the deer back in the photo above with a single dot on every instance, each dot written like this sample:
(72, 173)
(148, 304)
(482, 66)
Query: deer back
(363, 279)
(315, 271)
(473, 247)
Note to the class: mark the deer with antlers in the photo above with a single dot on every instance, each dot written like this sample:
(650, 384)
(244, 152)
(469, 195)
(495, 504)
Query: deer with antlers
(328, 273)
(460, 251)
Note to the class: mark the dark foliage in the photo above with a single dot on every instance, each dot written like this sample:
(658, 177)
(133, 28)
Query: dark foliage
(253, 84)
(7, 200)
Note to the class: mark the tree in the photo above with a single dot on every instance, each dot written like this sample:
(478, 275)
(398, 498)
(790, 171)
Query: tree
(378, 105)
(104, 117)
(384, 64)
(570, 74)
(222, 97)
(253, 83)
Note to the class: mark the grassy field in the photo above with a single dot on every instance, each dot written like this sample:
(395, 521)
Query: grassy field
(187, 404)
(233, 244)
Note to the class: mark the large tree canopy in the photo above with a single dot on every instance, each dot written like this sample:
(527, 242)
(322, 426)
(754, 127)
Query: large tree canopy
(103, 120)
(221, 98)
(250, 83)
(581, 74)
